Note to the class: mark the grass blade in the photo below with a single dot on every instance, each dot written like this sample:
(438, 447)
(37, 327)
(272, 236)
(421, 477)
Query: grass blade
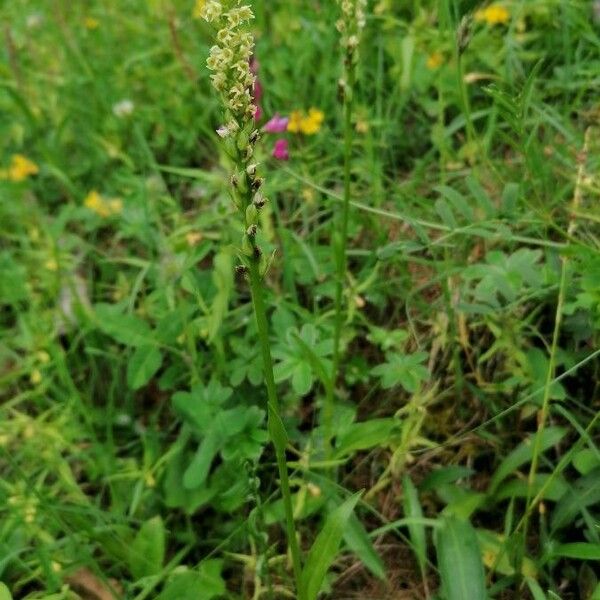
(459, 561)
(325, 548)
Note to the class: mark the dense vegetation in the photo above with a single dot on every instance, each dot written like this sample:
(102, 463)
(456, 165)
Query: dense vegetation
(461, 459)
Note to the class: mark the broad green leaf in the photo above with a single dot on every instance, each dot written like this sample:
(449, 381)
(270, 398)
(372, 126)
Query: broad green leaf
(585, 492)
(4, 592)
(148, 549)
(461, 501)
(519, 488)
(412, 510)
(325, 548)
(125, 329)
(362, 436)
(523, 453)
(459, 561)
(586, 460)
(578, 550)
(406, 370)
(446, 214)
(444, 475)
(204, 584)
(481, 196)
(359, 542)
(510, 196)
(142, 366)
(302, 379)
(458, 202)
(197, 472)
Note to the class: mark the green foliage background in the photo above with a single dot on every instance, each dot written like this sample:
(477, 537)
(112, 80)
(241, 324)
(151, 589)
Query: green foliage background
(132, 429)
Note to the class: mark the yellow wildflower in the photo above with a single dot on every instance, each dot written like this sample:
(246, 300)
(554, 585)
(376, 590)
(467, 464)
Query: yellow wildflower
(43, 357)
(193, 237)
(494, 14)
(35, 377)
(362, 126)
(435, 60)
(51, 264)
(309, 195)
(295, 122)
(91, 23)
(101, 206)
(198, 8)
(20, 169)
(311, 124)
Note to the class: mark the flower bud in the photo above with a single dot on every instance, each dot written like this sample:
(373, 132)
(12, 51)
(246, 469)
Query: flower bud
(259, 201)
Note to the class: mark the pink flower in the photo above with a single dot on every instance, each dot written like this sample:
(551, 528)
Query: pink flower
(276, 125)
(258, 113)
(281, 150)
(258, 90)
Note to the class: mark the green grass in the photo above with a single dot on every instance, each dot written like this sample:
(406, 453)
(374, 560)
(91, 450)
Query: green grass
(467, 401)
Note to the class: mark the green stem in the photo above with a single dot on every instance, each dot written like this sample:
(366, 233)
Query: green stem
(341, 249)
(543, 416)
(274, 415)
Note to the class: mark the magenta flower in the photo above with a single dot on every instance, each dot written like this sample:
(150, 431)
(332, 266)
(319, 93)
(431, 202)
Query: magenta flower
(281, 150)
(258, 90)
(258, 113)
(276, 125)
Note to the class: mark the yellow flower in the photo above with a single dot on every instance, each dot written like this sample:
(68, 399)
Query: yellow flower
(494, 14)
(362, 126)
(91, 23)
(295, 122)
(20, 169)
(198, 7)
(193, 237)
(101, 206)
(312, 123)
(35, 377)
(435, 60)
(51, 264)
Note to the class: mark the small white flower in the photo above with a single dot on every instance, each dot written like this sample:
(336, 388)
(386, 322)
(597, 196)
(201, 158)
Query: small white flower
(123, 108)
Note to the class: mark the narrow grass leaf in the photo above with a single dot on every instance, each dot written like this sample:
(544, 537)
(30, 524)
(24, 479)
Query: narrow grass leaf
(412, 510)
(535, 589)
(578, 550)
(144, 364)
(325, 548)
(585, 492)
(359, 542)
(523, 453)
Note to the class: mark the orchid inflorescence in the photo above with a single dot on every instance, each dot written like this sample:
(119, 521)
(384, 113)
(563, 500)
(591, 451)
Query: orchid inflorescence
(233, 66)
(352, 22)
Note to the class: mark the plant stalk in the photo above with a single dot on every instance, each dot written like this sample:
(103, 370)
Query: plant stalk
(545, 410)
(341, 249)
(274, 415)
